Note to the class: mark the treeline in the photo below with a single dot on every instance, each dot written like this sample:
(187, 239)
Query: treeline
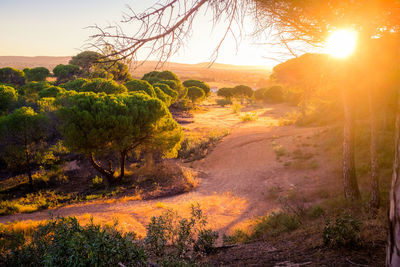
(93, 108)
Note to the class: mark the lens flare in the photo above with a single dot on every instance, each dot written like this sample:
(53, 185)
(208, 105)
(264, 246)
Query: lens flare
(341, 43)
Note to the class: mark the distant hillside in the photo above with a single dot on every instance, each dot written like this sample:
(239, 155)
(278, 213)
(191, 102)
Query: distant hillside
(217, 75)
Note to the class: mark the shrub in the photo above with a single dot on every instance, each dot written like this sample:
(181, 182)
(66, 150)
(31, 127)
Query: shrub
(32, 89)
(242, 92)
(38, 74)
(195, 93)
(224, 102)
(343, 232)
(274, 94)
(259, 94)
(167, 90)
(204, 86)
(140, 85)
(52, 91)
(315, 212)
(275, 224)
(75, 85)
(63, 242)
(179, 234)
(8, 96)
(12, 76)
(249, 116)
(99, 85)
(65, 72)
(163, 96)
(236, 108)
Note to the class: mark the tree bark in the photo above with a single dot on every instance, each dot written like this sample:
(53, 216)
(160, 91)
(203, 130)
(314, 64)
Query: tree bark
(108, 174)
(374, 201)
(122, 164)
(350, 185)
(393, 244)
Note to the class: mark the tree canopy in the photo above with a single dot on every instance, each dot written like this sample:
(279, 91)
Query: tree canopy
(140, 85)
(37, 74)
(195, 93)
(64, 73)
(12, 76)
(99, 85)
(8, 95)
(204, 86)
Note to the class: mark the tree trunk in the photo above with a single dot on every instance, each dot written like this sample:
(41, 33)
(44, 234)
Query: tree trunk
(393, 244)
(122, 164)
(28, 164)
(374, 201)
(108, 174)
(350, 184)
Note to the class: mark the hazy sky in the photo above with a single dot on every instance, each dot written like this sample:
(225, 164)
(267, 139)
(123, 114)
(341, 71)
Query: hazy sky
(57, 28)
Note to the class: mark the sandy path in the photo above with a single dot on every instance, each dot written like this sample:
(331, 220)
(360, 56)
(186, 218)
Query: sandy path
(235, 177)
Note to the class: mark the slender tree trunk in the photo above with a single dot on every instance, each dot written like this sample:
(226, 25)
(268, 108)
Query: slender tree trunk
(122, 164)
(374, 201)
(28, 163)
(108, 174)
(350, 184)
(393, 244)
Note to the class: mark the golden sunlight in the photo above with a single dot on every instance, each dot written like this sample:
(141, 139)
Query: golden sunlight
(341, 43)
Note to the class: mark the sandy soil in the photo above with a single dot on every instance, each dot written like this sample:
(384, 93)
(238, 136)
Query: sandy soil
(238, 181)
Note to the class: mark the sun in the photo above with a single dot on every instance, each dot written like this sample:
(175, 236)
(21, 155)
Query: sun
(341, 43)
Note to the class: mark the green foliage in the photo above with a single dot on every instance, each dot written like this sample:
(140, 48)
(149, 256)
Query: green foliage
(243, 91)
(224, 102)
(8, 96)
(119, 70)
(167, 90)
(225, 92)
(169, 233)
(52, 91)
(100, 85)
(95, 123)
(65, 73)
(163, 96)
(249, 116)
(37, 74)
(12, 76)
(23, 134)
(64, 242)
(195, 93)
(315, 212)
(163, 75)
(271, 94)
(343, 232)
(204, 86)
(259, 94)
(275, 224)
(236, 108)
(75, 85)
(85, 60)
(31, 90)
(141, 85)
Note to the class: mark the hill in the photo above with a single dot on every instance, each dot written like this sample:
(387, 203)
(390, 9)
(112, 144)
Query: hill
(217, 75)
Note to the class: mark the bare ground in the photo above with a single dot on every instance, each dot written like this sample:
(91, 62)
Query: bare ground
(237, 180)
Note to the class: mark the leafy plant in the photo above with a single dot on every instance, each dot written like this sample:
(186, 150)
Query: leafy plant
(343, 232)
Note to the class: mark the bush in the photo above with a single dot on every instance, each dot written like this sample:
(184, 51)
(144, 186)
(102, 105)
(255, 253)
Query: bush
(179, 234)
(52, 91)
(274, 94)
(63, 242)
(236, 108)
(75, 85)
(225, 92)
(38, 74)
(204, 86)
(12, 76)
(195, 93)
(275, 224)
(224, 102)
(65, 73)
(140, 85)
(167, 90)
(249, 116)
(8, 96)
(343, 232)
(99, 85)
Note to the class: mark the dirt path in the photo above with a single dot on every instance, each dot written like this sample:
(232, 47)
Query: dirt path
(239, 179)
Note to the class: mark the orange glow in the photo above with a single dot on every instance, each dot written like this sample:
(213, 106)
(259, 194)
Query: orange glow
(341, 43)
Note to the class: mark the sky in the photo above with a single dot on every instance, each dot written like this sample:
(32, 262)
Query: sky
(59, 28)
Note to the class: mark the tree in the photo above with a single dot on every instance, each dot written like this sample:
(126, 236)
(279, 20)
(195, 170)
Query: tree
(12, 76)
(38, 74)
(31, 90)
(204, 86)
(140, 85)
(52, 91)
(23, 134)
(95, 124)
(102, 85)
(195, 93)
(163, 96)
(8, 96)
(242, 92)
(65, 73)
(85, 60)
(226, 92)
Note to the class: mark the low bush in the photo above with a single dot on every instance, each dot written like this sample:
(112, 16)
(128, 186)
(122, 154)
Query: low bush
(236, 108)
(275, 224)
(223, 102)
(249, 116)
(64, 242)
(343, 232)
